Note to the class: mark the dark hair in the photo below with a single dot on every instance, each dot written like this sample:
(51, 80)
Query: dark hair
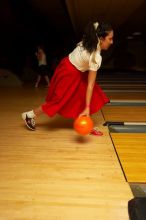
(41, 46)
(92, 34)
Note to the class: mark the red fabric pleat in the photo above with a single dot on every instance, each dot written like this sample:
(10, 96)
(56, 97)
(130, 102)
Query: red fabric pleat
(67, 92)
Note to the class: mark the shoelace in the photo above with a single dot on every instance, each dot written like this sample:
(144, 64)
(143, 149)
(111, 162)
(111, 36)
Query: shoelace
(32, 121)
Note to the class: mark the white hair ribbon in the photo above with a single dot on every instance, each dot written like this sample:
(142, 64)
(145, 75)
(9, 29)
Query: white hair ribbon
(95, 25)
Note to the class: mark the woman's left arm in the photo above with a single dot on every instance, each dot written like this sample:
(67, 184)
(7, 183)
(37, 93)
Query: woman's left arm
(89, 91)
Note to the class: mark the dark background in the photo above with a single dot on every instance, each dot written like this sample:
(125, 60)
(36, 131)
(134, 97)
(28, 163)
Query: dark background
(58, 25)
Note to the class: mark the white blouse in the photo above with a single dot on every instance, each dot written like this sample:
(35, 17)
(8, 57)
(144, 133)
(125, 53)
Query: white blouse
(85, 61)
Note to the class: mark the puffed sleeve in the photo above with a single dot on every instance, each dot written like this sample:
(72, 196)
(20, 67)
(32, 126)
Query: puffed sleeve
(95, 61)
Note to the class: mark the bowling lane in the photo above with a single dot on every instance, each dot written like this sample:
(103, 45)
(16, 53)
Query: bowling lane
(124, 113)
(129, 139)
(131, 150)
(128, 96)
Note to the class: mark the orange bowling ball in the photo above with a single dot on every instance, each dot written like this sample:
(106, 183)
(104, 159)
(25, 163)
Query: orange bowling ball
(83, 125)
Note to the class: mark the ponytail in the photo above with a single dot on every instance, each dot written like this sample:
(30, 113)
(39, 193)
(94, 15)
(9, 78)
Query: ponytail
(93, 32)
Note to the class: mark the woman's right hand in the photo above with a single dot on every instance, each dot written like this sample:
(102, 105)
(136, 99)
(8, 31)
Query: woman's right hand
(85, 112)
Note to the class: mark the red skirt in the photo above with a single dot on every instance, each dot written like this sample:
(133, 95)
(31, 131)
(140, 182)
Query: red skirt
(67, 92)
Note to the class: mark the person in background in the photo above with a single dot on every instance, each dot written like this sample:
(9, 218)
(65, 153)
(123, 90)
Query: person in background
(42, 66)
(73, 90)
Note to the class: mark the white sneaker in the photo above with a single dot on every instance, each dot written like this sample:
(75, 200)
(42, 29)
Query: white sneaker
(30, 122)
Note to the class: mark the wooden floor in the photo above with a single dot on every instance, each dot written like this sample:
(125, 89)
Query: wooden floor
(125, 113)
(131, 148)
(53, 173)
(136, 95)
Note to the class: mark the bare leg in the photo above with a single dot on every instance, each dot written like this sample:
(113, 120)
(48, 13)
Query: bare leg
(38, 80)
(47, 79)
(38, 111)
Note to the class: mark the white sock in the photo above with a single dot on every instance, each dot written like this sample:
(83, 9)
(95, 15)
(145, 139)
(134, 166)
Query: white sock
(31, 114)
